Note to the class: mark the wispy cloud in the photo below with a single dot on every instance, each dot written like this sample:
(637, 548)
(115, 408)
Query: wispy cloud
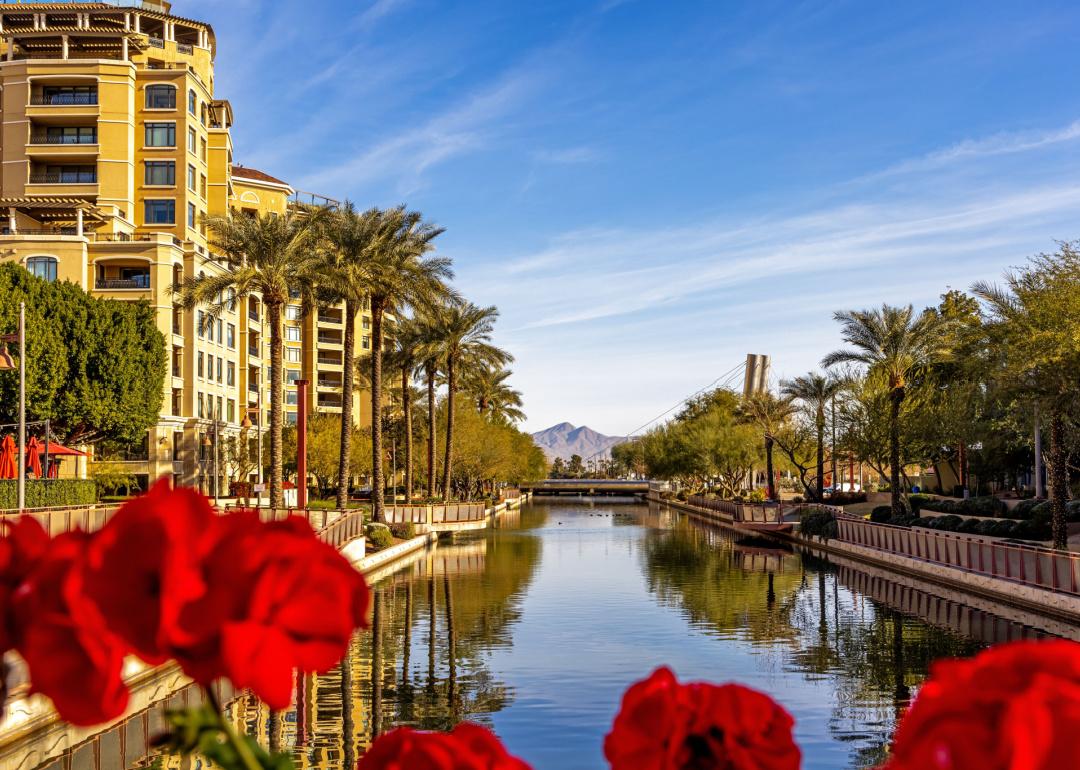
(568, 156)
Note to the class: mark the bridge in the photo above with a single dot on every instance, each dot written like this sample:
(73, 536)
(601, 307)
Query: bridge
(586, 487)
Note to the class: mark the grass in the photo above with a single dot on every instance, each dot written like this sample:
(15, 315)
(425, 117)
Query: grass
(330, 504)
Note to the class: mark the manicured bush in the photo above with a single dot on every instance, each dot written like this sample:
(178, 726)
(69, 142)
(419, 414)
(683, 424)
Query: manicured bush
(819, 523)
(380, 538)
(404, 531)
(918, 501)
(882, 514)
(847, 498)
(47, 494)
(756, 496)
(987, 505)
(988, 527)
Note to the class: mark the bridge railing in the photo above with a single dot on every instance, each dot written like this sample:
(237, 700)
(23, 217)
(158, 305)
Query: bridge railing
(433, 515)
(750, 513)
(1027, 564)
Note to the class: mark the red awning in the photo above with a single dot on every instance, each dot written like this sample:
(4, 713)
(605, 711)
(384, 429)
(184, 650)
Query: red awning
(59, 450)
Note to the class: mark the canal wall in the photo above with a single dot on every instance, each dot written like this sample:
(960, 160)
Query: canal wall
(1048, 604)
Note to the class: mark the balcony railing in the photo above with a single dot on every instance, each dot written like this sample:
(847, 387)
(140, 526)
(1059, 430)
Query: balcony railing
(63, 177)
(123, 237)
(44, 137)
(156, 42)
(63, 100)
(329, 319)
(327, 339)
(135, 282)
(184, 48)
(37, 231)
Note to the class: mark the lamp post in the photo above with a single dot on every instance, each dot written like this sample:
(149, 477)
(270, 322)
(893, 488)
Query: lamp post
(206, 444)
(246, 425)
(7, 363)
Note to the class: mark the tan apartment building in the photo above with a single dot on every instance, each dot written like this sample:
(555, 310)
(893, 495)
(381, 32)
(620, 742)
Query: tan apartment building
(114, 148)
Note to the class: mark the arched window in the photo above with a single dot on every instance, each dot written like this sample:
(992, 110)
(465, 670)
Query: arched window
(161, 97)
(192, 100)
(42, 267)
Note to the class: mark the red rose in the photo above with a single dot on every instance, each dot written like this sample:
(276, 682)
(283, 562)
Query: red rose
(72, 659)
(664, 725)
(467, 747)
(22, 544)
(1014, 707)
(279, 600)
(147, 563)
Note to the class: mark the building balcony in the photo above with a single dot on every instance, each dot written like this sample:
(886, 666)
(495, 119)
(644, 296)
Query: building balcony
(330, 339)
(64, 177)
(330, 317)
(64, 99)
(64, 138)
(140, 282)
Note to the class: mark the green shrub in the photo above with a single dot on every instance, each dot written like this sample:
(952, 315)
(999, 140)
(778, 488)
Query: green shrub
(847, 498)
(756, 496)
(818, 523)
(380, 538)
(881, 514)
(404, 531)
(918, 501)
(49, 493)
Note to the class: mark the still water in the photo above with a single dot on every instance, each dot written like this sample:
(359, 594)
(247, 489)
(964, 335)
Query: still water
(536, 629)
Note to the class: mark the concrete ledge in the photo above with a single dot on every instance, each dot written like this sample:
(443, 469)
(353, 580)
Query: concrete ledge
(1049, 604)
(382, 558)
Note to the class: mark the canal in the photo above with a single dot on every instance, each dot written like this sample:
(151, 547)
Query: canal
(536, 628)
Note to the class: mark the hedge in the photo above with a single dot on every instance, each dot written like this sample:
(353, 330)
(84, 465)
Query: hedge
(987, 505)
(1039, 509)
(819, 523)
(47, 494)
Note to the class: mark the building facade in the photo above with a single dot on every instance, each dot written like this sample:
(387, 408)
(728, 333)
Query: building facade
(115, 148)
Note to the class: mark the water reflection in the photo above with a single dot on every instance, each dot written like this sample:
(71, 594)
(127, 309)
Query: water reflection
(537, 628)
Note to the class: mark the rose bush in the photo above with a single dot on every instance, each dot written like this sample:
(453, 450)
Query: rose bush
(665, 725)
(1012, 707)
(467, 747)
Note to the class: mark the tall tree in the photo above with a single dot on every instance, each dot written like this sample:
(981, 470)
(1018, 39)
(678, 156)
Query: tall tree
(1034, 334)
(493, 395)
(404, 358)
(899, 345)
(463, 336)
(351, 238)
(769, 413)
(399, 275)
(266, 256)
(815, 391)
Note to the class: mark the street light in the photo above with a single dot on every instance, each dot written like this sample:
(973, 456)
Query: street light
(6, 362)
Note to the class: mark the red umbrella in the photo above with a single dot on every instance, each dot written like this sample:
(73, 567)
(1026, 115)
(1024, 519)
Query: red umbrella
(8, 467)
(33, 463)
(58, 450)
(54, 467)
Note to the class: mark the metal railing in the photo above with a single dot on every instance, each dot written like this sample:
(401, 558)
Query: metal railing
(302, 198)
(62, 177)
(184, 48)
(330, 319)
(155, 42)
(748, 513)
(123, 237)
(141, 282)
(1027, 564)
(88, 518)
(39, 231)
(431, 515)
(63, 100)
(44, 137)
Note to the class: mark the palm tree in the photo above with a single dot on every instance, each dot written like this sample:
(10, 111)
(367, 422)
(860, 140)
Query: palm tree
(769, 412)
(494, 396)
(815, 391)
(463, 337)
(351, 236)
(427, 366)
(398, 275)
(404, 359)
(896, 344)
(266, 256)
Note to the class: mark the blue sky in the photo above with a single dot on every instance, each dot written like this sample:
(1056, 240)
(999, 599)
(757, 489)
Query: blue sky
(650, 190)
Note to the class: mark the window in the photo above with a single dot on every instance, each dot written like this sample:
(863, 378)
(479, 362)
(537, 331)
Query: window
(160, 134)
(191, 140)
(160, 212)
(230, 373)
(161, 172)
(191, 177)
(192, 99)
(291, 376)
(367, 322)
(220, 331)
(366, 343)
(177, 443)
(42, 267)
(292, 355)
(230, 337)
(219, 368)
(200, 364)
(202, 113)
(67, 135)
(200, 319)
(160, 98)
(202, 186)
(231, 414)
(290, 418)
(191, 215)
(202, 407)
(292, 333)
(219, 407)
(290, 398)
(292, 312)
(202, 149)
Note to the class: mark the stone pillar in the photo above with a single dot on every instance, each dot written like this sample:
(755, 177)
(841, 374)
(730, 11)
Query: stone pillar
(64, 46)
(137, 23)
(125, 50)
(79, 222)
(12, 223)
(127, 22)
(10, 48)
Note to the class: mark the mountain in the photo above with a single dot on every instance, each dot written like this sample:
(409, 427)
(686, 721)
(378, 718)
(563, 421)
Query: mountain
(564, 440)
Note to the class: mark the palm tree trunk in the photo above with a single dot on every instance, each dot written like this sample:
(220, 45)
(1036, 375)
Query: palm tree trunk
(448, 457)
(896, 398)
(376, 410)
(277, 498)
(821, 453)
(769, 468)
(430, 371)
(406, 407)
(1059, 480)
(346, 406)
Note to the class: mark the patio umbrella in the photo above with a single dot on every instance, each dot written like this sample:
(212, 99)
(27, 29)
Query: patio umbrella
(58, 450)
(8, 467)
(54, 468)
(33, 462)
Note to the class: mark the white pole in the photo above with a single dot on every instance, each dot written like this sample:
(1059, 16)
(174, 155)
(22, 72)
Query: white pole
(1040, 487)
(22, 406)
